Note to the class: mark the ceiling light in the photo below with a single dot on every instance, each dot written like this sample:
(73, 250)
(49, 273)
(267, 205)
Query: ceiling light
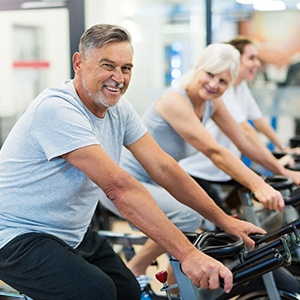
(268, 5)
(245, 1)
(42, 4)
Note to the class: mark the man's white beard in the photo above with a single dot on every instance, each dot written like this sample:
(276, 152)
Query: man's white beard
(99, 97)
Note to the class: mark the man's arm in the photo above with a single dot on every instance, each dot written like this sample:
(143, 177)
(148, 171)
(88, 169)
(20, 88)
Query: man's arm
(137, 205)
(130, 197)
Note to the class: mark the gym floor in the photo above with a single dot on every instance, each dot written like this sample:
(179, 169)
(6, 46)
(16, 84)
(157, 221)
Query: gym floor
(123, 226)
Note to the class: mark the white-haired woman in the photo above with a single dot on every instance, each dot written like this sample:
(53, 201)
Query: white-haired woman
(238, 95)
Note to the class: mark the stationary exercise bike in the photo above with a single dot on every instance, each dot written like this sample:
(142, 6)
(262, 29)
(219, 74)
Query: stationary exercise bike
(272, 252)
(249, 209)
(263, 268)
(241, 200)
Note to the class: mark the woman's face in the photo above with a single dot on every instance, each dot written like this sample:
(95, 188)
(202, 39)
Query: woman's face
(250, 63)
(211, 86)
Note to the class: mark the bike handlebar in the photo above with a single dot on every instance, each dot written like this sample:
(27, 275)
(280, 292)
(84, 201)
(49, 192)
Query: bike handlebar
(293, 199)
(289, 228)
(246, 272)
(272, 250)
(219, 244)
(279, 182)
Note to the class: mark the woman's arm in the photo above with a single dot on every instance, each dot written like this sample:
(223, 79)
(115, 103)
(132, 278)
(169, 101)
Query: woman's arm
(250, 146)
(286, 160)
(164, 170)
(182, 117)
(263, 127)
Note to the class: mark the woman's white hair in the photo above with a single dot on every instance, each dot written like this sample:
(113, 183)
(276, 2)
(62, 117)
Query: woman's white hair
(216, 58)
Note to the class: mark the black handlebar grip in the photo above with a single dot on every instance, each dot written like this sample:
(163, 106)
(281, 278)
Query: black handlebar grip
(260, 267)
(293, 199)
(286, 229)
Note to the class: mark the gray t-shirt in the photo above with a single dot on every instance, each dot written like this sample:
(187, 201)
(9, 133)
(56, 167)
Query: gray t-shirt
(167, 138)
(40, 191)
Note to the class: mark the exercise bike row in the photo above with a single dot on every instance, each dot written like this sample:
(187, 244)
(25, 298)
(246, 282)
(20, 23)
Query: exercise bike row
(246, 265)
(274, 252)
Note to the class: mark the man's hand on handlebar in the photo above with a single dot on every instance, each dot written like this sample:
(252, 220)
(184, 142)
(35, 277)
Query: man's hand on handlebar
(205, 272)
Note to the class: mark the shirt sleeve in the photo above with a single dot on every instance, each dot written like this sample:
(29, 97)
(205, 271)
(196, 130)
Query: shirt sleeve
(232, 104)
(59, 127)
(253, 110)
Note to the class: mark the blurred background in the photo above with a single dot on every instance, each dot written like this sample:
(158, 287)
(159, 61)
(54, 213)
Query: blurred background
(39, 38)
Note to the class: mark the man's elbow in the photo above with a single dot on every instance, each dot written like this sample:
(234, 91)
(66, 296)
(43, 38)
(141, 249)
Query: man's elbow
(117, 186)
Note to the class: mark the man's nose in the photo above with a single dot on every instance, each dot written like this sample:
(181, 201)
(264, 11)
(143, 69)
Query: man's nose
(118, 75)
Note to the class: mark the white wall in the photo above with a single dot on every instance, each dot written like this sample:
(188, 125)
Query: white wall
(53, 24)
(147, 22)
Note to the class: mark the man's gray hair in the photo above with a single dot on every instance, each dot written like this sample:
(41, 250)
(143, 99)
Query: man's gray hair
(100, 35)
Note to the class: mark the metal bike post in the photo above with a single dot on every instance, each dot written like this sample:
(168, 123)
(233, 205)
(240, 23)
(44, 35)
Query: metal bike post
(251, 216)
(190, 292)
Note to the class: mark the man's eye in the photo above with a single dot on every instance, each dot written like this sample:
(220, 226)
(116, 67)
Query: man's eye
(126, 70)
(210, 74)
(108, 67)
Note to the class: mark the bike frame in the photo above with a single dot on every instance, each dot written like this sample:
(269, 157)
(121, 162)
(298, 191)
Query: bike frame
(272, 252)
(248, 208)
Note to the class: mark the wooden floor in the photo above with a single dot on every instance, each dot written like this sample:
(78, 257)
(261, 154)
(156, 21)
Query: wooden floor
(123, 226)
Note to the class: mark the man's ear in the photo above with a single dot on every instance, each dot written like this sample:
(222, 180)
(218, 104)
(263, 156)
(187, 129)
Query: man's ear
(76, 59)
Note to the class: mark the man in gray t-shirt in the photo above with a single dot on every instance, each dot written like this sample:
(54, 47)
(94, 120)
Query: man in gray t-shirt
(61, 154)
